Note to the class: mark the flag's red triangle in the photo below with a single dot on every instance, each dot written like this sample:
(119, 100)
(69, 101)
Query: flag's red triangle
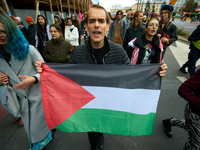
(61, 96)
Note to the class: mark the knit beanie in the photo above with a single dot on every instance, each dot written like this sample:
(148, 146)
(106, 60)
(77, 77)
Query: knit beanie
(57, 16)
(29, 19)
(17, 18)
(70, 19)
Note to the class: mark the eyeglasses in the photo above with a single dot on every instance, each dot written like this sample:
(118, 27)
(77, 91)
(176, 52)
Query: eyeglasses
(53, 31)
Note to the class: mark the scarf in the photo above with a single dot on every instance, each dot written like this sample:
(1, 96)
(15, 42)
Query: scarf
(164, 21)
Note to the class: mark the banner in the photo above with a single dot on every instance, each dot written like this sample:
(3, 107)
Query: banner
(115, 99)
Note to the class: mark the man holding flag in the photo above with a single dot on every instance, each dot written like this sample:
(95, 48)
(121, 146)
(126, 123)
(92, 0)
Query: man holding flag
(98, 50)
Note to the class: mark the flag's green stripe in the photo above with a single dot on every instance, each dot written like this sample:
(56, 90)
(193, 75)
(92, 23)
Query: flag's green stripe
(113, 122)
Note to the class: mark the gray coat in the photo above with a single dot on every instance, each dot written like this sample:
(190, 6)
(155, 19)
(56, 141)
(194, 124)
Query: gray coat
(30, 100)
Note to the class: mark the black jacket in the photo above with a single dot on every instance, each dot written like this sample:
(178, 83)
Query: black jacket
(170, 29)
(84, 54)
(140, 43)
(194, 37)
(31, 34)
(131, 34)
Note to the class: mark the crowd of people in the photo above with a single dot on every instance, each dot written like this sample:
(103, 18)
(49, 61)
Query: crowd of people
(124, 40)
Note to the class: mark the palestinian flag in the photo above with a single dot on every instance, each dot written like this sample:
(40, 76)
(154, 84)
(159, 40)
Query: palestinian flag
(115, 99)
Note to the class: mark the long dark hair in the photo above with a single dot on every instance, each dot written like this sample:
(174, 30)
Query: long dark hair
(76, 21)
(39, 27)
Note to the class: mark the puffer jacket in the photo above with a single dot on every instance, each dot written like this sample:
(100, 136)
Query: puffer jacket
(136, 51)
(115, 54)
(57, 51)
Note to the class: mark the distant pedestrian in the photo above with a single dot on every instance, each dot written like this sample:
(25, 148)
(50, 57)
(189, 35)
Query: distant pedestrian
(126, 19)
(135, 30)
(117, 29)
(76, 23)
(71, 33)
(194, 53)
(167, 30)
(190, 91)
(31, 30)
(59, 20)
(42, 33)
(83, 31)
(21, 27)
(144, 21)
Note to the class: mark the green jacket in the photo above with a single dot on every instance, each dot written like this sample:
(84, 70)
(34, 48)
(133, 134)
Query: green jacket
(57, 51)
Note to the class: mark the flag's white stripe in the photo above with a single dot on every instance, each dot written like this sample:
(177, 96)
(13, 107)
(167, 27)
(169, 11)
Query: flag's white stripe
(138, 101)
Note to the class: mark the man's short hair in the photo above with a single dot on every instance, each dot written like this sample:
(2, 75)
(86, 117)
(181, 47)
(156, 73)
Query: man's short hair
(98, 7)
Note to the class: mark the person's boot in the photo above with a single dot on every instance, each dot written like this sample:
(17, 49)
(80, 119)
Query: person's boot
(167, 128)
(182, 69)
(16, 119)
(20, 122)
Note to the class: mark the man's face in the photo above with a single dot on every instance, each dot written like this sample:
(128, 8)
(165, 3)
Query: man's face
(139, 18)
(156, 15)
(97, 26)
(128, 16)
(164, 15)
(119, 16)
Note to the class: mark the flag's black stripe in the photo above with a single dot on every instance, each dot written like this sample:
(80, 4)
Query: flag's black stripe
(121, 76)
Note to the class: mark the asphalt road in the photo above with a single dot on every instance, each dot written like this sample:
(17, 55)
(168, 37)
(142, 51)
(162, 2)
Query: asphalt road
(13, 137)
(187, 26)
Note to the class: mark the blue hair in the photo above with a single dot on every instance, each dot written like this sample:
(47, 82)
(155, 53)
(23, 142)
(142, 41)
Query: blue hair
(16, 42)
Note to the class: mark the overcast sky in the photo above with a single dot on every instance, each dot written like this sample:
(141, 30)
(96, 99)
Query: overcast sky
(108, 3)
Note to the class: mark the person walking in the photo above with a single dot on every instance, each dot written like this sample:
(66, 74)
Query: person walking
(127, 20)
(148, 46)
(190, 91)
(17, 59)
(99, 50)
(167, 30)
(134, 30)
(71, 33)
(31, 30)
(194, 53)
(117, 29)
(42, 34)
(58, 49)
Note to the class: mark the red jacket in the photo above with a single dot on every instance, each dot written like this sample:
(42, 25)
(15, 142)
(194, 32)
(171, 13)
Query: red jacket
(190, 91)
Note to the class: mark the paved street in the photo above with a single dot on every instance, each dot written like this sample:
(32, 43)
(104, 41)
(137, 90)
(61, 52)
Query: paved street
(187, 26)
(13, 137)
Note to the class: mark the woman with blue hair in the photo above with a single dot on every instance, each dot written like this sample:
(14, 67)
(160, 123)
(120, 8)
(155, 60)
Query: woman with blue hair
(17, 59)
